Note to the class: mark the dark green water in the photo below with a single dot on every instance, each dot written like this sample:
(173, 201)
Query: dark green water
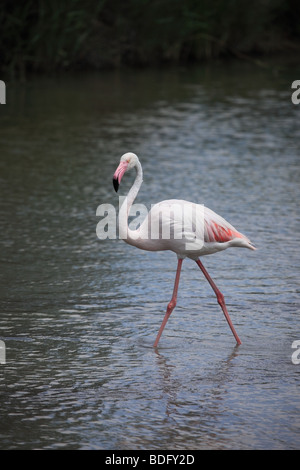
(79, 315)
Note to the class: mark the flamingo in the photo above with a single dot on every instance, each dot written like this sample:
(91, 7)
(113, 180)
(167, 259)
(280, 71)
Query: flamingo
(194, 231)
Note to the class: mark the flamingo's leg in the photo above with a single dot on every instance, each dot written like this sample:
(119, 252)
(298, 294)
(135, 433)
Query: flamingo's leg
(221, 301)
(171, 304)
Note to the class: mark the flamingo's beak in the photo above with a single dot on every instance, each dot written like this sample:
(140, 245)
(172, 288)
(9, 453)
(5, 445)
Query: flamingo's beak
(119, 174)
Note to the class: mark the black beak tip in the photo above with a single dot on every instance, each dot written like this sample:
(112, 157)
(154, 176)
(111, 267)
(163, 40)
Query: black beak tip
(116, 184)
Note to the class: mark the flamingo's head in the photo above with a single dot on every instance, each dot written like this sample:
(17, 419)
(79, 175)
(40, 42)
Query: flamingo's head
(128, 161)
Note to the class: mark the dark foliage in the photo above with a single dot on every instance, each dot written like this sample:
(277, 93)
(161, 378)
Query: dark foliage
(40, 35)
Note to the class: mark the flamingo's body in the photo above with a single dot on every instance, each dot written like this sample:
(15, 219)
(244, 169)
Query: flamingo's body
(190, 230)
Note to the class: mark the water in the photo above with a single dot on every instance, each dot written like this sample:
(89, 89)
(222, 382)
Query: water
(79, 315)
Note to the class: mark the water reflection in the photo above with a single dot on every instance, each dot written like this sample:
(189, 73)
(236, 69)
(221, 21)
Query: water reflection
(205, 411)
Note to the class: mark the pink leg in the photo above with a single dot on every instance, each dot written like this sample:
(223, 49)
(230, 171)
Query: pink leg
(221, 300)
(171, 304)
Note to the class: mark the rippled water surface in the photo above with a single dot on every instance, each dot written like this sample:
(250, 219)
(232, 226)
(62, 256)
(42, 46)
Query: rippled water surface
(79, 315)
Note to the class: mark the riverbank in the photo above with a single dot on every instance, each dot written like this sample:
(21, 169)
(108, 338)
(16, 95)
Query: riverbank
(43, 37)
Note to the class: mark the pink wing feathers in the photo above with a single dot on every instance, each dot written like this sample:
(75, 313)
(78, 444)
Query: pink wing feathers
(217, 229)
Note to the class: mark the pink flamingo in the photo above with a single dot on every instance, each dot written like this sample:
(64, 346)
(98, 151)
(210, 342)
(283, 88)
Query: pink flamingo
(196, 231)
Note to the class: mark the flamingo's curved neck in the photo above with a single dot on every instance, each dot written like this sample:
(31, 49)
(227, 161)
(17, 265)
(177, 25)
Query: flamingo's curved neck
(125, 231)
(132, 194)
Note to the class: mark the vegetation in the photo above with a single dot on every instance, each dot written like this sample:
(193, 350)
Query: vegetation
(48, 35)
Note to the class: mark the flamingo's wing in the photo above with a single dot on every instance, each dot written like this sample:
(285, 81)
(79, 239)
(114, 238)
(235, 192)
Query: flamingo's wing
(217, 229)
